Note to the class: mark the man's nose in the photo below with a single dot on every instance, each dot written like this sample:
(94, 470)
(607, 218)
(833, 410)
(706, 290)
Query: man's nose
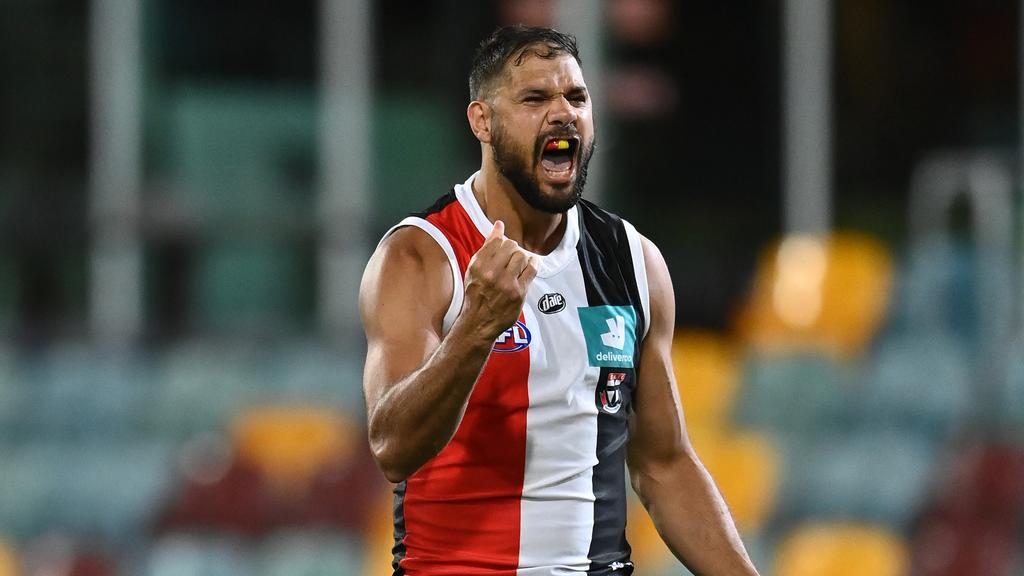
(561, 111)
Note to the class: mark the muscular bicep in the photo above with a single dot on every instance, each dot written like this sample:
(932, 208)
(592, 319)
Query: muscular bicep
(405, 292)
(658, 430)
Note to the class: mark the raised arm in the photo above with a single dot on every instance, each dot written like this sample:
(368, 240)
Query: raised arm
(672, 483)
(417, 380)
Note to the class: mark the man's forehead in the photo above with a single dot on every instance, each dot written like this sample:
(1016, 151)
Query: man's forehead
(557, 68)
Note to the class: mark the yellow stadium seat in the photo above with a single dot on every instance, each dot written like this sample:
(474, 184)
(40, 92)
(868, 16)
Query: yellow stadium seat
(827, 293)
(707, 374)
(380, 537)
(9, 563)
(842, 550)
(745, 466)
(291, 443)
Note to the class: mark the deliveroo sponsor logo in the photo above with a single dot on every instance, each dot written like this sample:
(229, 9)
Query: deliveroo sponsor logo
(610, 332)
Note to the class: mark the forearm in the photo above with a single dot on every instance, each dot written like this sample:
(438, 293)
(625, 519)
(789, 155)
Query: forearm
(692, 518)
(417, 416)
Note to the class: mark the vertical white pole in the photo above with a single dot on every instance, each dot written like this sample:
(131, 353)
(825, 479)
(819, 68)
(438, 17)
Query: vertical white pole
(807, 116)
(115, 297)
(346, 53)
(585, 20)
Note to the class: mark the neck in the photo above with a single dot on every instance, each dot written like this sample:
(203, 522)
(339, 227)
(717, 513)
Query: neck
(535, 230)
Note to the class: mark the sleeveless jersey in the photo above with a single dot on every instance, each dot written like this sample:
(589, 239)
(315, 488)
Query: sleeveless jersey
(533, 481)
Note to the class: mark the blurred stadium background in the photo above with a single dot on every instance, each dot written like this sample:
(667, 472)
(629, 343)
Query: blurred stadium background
(189, 190)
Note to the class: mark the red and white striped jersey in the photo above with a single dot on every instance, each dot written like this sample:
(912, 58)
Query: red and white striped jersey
(533, 482)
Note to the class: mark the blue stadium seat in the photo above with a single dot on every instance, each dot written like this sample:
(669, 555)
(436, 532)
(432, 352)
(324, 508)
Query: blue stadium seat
(796, 394)
(877, 475)
(937, 290)
(920, 381)
(13, 393)
(202, 385)
(249, 286)
(1011, 405)
(81, 392)
(111, 491)
(312, 554)
(198, 555)
(242, 158)
(101, 491)
(232, 151)
(307, 370)
(28, 485)
(411, 171)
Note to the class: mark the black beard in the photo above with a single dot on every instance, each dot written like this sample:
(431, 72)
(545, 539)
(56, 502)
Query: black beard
(511, 163)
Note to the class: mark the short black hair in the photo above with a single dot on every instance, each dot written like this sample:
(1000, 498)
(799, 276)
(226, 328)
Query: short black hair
(510, 43)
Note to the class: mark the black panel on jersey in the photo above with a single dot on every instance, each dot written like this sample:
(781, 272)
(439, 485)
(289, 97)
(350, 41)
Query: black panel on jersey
(607, 261)
(398, 551)
(438, 205)
(610, 280)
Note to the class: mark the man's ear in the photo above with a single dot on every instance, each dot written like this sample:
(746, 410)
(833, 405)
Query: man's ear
(479, 115)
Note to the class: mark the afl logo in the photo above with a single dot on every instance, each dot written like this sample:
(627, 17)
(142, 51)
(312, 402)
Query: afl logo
(513, 339)
(611, 396)
(551, 303)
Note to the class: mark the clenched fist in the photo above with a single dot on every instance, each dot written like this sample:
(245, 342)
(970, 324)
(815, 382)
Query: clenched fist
(497, 279)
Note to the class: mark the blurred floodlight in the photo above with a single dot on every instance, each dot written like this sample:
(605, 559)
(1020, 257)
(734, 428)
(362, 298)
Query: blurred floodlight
(797, 295)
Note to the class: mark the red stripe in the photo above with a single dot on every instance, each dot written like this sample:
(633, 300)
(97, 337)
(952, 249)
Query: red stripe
(462, 508)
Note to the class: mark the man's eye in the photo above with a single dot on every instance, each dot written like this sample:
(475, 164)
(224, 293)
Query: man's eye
(533, 99)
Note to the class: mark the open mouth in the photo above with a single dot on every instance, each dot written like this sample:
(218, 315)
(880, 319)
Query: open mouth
(558, 155)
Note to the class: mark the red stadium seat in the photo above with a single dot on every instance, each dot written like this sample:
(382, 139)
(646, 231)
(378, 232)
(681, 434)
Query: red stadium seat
(973, 525)
(237, 502)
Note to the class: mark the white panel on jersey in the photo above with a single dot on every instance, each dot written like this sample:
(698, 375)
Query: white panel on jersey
(557, 509)
(457, 289)
(550, 264)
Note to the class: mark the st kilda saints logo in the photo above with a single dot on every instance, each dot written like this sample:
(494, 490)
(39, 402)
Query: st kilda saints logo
(551, 303)
(611, 395)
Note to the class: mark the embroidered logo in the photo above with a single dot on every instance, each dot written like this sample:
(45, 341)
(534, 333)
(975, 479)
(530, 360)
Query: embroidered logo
(551, 303)
(615, 337)
(611, 395)
(610, 332)
(513, 339)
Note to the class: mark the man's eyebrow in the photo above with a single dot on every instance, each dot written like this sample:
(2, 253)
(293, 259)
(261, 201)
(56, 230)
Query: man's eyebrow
(547, 92)
(532, 91)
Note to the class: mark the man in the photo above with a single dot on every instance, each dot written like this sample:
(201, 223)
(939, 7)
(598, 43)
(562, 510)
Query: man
(518, 337)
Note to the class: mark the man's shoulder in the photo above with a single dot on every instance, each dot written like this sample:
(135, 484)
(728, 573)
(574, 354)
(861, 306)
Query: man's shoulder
(411, 246)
